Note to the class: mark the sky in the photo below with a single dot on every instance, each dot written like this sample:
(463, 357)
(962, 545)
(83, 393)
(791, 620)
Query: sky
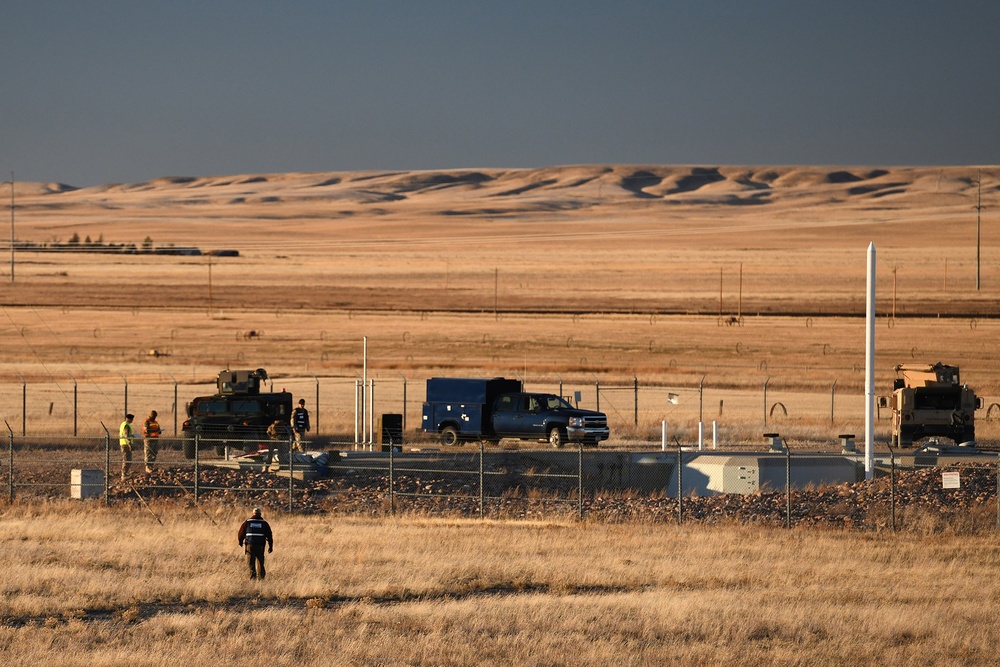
(107, 91)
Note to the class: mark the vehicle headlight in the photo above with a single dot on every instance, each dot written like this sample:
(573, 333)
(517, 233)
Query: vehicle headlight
(576, 421)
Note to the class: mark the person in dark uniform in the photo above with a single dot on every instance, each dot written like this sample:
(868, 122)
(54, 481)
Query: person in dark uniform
(300, 424)
(253, 535)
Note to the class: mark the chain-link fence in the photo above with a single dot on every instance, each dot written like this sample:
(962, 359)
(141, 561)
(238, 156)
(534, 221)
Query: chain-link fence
(712, 412)
(778, 487)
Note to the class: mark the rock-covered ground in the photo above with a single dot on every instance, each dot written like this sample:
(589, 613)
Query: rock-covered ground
(917, 498)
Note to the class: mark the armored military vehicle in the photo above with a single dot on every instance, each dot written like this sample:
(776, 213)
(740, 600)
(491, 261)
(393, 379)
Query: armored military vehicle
(237, 415)
(930, 400)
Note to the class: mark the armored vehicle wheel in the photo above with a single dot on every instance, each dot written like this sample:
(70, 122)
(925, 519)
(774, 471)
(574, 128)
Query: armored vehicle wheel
(220, 450)
(556, 438)
(189, 448)
(449, 436)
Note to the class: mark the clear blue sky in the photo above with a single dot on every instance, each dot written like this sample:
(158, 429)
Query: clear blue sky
(100, 91)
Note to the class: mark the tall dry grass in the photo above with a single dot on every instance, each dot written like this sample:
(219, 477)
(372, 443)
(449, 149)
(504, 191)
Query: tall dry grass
(84, 584)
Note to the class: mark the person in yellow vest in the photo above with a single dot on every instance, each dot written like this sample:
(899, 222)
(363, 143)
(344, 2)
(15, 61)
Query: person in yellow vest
(125, 438)
(150, 439)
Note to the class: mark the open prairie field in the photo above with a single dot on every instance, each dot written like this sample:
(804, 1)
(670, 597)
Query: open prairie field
(732, 277)
(87, 585)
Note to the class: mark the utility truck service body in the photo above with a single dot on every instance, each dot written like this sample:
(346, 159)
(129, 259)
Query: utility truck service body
(493, 409)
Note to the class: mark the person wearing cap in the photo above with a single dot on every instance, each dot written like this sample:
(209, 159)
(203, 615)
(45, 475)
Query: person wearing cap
(253, 535)
(125, 437)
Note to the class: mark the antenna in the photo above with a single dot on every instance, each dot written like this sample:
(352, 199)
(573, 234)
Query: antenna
(12, 226)
(979, 211)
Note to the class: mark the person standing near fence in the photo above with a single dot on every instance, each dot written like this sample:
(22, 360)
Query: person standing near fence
(300, 423)
(150, 440)
(253, 535)
(125, 438)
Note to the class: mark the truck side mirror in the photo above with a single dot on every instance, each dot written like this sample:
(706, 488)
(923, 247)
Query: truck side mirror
(883, 401)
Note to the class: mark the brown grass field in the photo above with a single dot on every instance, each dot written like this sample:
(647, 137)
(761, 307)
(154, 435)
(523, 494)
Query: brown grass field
(580, 274)
(85, 585)
(575, 274)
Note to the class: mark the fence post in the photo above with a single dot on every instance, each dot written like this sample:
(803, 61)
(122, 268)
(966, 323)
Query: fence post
(24, 406)
(635, 398)
(75, 406)
(404, 401)
(998, 493)
(701, 399)
(10, 466)
(315, 423)
(107, 465)
(392, 476)
(788, 486)
(197, 448)
(482, 480)
(833, 392)
(680, 487)
(579, 488)
(176, 408)
(597, 387)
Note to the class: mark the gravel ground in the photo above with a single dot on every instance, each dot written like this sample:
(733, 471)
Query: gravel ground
(920, 501)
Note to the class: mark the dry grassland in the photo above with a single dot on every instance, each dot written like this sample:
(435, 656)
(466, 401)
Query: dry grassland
(573, 275)
(576, 275)
(89, 585)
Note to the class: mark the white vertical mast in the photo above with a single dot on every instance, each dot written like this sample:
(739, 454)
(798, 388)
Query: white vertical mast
(870, 367)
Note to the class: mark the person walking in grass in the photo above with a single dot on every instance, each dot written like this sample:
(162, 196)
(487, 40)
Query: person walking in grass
(150, 439)
(125, 438)
(253, 535)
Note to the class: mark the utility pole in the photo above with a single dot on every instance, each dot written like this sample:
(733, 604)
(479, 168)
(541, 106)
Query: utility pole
(720, 291)
(210, 304)
(979, 210)
(12, 226)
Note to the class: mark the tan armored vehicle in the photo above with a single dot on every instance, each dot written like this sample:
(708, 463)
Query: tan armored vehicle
(930, 400)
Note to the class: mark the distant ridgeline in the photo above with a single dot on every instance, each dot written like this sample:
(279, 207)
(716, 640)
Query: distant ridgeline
(119, 248)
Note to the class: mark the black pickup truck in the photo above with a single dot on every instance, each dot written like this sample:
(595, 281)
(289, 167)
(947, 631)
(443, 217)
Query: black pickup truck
(492, 409)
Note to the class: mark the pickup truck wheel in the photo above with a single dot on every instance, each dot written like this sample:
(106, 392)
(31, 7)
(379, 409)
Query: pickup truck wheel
(556, 438)
(449, 436)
